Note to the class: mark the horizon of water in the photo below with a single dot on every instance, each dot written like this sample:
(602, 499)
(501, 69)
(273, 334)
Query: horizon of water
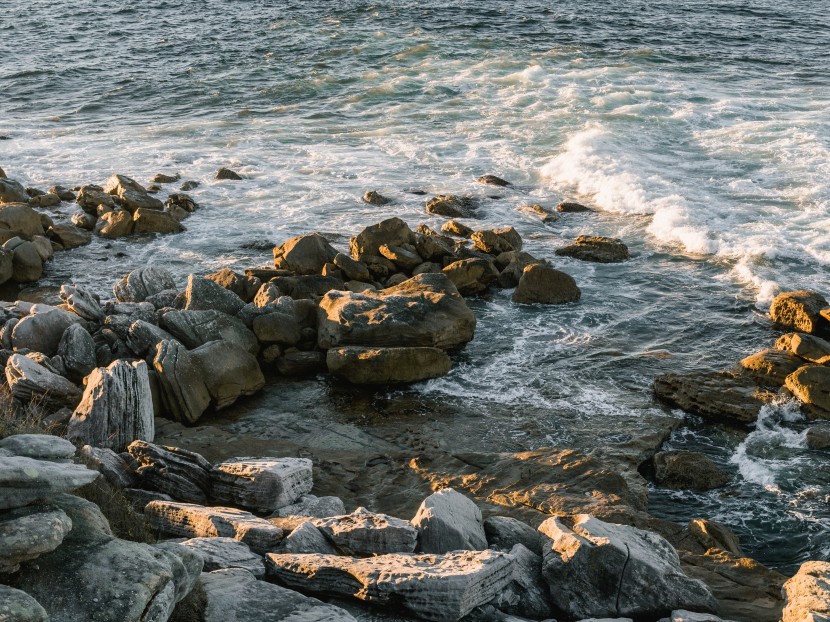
(701, 133)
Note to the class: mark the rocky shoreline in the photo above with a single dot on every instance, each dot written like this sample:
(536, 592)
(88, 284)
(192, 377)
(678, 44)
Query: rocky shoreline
(485, 536)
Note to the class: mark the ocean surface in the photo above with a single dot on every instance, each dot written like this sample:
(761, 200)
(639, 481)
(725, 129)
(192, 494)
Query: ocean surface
(701, 131)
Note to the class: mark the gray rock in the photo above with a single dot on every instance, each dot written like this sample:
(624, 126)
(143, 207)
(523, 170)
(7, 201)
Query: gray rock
(228, 372)
(261, 484)
(807, 594)
(449, 521)
(109, 464)
(27, 533)
(6, 265)
(818, 437)
(18, 606)
(220, 553)
(306, 538)
(89, 525)
(82, 302)
(90, 197)
(27, 265)
(426, 310)
(314, 507)
(452, 206)
(142, 283)
(183, 391)
(77, 351)
(41, 332)
(39, 446)
(599, 569)
(143, 337)
(178, 472)
(681, 615)
(366, 533)
(12, 191)
(202, 294)
(527, 594)
(116, 408)
(352, 269)
(281, 328)
(432, 587)
(29, 380)
(687, 470)
(195, 521)
(25, 480)
(235, 595)
(196, 328)
(504, 532)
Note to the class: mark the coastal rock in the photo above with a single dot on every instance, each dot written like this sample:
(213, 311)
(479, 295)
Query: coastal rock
(818, 437)
(226, 173)
(527, 593)
(162, 178)
(471, 276)
(497, 241)
(20, 220)
(119, 581)
(12, 191)
(309, 286)
(449, 521)
(44, 247)
(372, 197)
(142, 283)
(133, 196)
(392, 231)
(41, 332)
(244, 286)
(492, 180)
(27, 533)
(69, 236)
(25, 480)
(196, 328)
(572, 207)
(143, 338)
(540, 283)
(6, 265)
(808, 594)
(116, 407)
(27, 265)
(352, 269)
(38, 446)
(718, 396)
(109, 464)
(687, 470)
(82, 302)
(18, 606)
(235, 595)
(90, 197)
(281, 328)
(307, 539)
(45, 200)
(65, 194)
(404, 258)
(800, 310)
(151, 220)
(312, 506)
(811, 384)
(432, 587)
(221, 553)
(504, 532)
(365, 533)
(203, 294)
(183, 391)
(298, 363)
(596, 248)
(452, 206)
(600, 569)
(195, 521)
(29, 380)
(805, 346)
(261, 484)
(228, 371)
(425, 310)
(770, 367)
(305, 254)
(182, 474)
(459, 229)
(540, 212)
(434, 248)
(114, 224)
(387, 365)
(512, 266)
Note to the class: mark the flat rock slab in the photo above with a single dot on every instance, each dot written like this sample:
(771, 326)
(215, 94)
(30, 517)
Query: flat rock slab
(366, 533)
(24, 480)
(315, 507)
(180, 473)
(261, 484)
(235, 595)
(221, 553)
(306, 538)
(195, 521)
(38, 446)
(433, 587)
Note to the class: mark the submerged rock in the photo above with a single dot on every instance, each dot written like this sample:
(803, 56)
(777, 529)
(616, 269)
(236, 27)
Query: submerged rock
(492, 180)
(222, 174)
(687, 470)
(432, 587)
(387, 365)
(572, 207)
(800, 310)
(449, 521)
(452, 206)
(372, 197)
(540, 212)
(596, 248)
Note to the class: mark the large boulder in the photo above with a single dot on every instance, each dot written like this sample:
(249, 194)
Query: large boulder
(452, 206)
(235, 595)
(228, 370)
(116, 408)
(497, 241)
(808, 594)
(261, 484)
(770, 367)
(471, 276)
(189, 520)
(149, 220)
(432, 587)
(69, 236)
(527, 594)
(27, 264)
(38, 446)
(687, 470)
(313, 506)
(82, 302)
(598, 569)
(366, 533)
(277, 327)
(244, 286)
(800, 310)
(29, 380)
(115, 224)
(184, 394)
(387, 365)
(449, 521)
(41, 332)
(12, 191)
(142, 283)
(305, 254)
(26, 480)
(392, 231)
(18, 606)
(26, 533)
(196, 328)
(203, 294)
(90, 197)
(182, 474)
(540, 283)
(21, 220)
(811, 384)
(133, 196)
(595, 248)
(426, 310)
(306, 538)
(505, 532)
(805, 346)
(220, 553)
